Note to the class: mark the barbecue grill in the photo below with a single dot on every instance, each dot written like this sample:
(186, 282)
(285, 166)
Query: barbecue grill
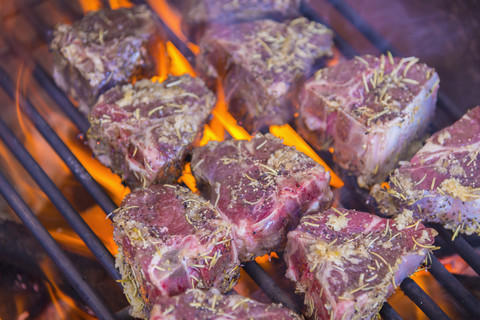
(354, 35)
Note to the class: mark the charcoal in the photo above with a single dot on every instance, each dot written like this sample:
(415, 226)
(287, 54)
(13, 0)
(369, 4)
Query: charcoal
(199, 15)
(442, 181)
(348, 262)
(261, 64)
(171, 240)
(144, 131)
(211, 305)
(262, 187)
(370, 110)
(105, 48)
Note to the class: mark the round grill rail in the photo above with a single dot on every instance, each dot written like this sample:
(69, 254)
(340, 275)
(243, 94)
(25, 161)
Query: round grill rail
(412, 290)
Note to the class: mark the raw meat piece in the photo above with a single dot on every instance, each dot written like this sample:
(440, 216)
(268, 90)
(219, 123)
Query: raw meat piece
(171, 240)
(442, 181)
(262, 187)
(105, 48)
(198, 15)
(348, 262)
(199, 304)
(370, 110)
(261, 63)
(144, 131)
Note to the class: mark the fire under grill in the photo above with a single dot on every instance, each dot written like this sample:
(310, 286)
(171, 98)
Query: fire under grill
(10, 46)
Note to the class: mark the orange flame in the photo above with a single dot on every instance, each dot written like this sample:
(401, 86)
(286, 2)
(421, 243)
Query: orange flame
(90, 5)
(65, 306)
(291, 138)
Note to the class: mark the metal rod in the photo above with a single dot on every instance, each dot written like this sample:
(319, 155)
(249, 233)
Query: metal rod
(179, 44)
(269, 286)
(422, 300)
(387, 312)
(455, 288)
(47, 83)
(78, 119)
(62, 150)
(59, 201)
(462, 247)
(88, 295)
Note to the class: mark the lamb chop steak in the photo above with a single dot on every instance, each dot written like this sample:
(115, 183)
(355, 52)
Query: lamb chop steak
(348, 262)
(171, 240)
(144, 131)
(211, 305)
(370, 110)
(261, 63)
(442, 181)
(105, 48)
(262, 187)
(198, 15)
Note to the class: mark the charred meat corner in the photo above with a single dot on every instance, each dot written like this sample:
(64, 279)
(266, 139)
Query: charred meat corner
(348, 262)
(261, 63)
(144, 131)
(171, 240)
(370, 110)
(442, 181)
(106, 48)
(262, 187)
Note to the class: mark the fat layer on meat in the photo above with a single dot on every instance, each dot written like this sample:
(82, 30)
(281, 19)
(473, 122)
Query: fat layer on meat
(370, 110)
(262, 187)
(105, 48)
(212, 305)
(442, 181)
(348, 262)
(261, 63)
(198, 15)
(171, 240)
(144, 131)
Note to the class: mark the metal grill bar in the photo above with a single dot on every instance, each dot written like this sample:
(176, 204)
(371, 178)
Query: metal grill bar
(462, 247)
(88, 295)
(348, 51)
(422, 300)
(269, 286)
(62, 150)
(455, 288)
(59, 201)
(50, 87)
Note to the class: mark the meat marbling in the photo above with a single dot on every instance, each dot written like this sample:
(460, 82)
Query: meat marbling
(442, 181)
(198, 15)
(144, 131)
(171, 240)
(348, 262)
(199, 304)
(105, 48)
(261, 63)
(370, 110)
(262, 187)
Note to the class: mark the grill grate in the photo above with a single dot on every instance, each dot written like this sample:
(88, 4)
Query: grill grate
(412, 290)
